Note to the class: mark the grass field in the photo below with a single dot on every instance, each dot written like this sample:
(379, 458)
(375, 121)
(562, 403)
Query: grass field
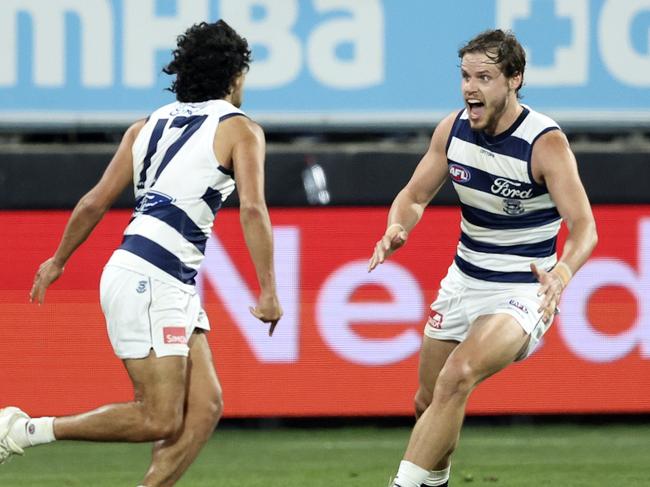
(503, 456)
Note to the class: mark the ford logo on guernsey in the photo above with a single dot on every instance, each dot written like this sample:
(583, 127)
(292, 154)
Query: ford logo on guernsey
(459, 173)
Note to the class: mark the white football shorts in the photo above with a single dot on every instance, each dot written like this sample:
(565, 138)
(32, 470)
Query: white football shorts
(459, 304)
(143, 313)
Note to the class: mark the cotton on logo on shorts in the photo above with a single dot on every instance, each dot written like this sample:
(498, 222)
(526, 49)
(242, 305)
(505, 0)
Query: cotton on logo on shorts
(435, 319)
(174, 335)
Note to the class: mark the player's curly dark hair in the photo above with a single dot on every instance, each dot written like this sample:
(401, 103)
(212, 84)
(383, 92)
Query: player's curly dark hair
(206, 61)
(502, 48)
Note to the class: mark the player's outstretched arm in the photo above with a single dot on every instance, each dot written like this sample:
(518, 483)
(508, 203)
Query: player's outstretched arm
(247, 154)
(554, 162)
(409, 205)
(87, 213)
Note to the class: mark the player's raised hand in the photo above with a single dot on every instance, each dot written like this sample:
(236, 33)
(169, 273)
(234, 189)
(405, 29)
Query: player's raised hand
(48, 272)
(268, 310)
(392, 240)
(551, 286)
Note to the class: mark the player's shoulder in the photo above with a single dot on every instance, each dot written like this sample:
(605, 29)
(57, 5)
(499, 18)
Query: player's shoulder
(539, 117)
(447, 123)
(535, 125)
(550, 141)
(240, 126)
(132, 132)
(545, 135)
(444, 127)
(136, 126)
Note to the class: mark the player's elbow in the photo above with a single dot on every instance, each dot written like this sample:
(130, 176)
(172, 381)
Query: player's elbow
(592, 234)
(594, 238)
(92, 207)
(584, 233)
(252, 210)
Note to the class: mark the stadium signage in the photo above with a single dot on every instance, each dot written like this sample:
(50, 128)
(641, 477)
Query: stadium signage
(580, 336)
(336, 315)
(144, 32)
(321, 60)
(348, 341)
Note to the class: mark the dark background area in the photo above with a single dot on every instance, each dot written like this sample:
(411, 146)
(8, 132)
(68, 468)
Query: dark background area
(52, 172)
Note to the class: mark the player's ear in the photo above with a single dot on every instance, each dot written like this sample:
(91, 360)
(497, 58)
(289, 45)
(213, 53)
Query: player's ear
(238, 82)
(516, 81)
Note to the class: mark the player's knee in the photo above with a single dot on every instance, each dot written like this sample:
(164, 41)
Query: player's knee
(207, 410)
(165, 429)
(163, 424)
(214, 409)
(457, 378)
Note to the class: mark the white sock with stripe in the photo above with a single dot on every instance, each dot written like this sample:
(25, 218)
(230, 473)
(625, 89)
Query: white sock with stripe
(437, 478)
(31, 432)
(410, 475)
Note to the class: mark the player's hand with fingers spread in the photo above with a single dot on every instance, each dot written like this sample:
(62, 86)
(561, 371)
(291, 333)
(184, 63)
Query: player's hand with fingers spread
(393, 239)
(552, 284)
(48, 272)
(268, 310)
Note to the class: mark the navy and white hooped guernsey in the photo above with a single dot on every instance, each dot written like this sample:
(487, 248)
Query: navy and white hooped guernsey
(508, 219)
(179, 187)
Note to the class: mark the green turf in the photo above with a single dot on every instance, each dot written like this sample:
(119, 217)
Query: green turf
(565, 456)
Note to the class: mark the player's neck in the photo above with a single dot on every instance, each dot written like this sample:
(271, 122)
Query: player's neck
(507, 118)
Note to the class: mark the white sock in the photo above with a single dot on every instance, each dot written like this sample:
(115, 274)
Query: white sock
(410, 475)
(437, 477)
(40, 431)
(18, 433)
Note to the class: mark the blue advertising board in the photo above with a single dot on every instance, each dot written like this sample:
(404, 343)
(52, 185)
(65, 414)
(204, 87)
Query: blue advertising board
(323, 61)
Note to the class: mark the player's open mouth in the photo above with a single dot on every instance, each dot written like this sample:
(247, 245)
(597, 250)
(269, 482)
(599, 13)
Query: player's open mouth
(476, 108)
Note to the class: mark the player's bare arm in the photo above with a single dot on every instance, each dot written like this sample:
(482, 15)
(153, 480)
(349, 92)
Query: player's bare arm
(88, 212)
(554, 164)
(240, 144)
(408, 206)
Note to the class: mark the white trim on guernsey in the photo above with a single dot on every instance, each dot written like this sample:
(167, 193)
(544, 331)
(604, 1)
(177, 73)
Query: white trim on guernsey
(493, 203)
(518, 236)
(504, 262)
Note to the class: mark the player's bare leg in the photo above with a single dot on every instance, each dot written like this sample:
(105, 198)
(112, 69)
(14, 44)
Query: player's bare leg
(433, 355)
(155, 413)
(172, 456)
(493, 342)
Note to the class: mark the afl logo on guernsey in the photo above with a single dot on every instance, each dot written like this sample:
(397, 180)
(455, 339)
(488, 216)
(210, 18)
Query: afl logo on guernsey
(459, 174)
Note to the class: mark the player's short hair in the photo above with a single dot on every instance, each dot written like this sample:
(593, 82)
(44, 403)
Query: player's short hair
(502, 48)
(206, 61)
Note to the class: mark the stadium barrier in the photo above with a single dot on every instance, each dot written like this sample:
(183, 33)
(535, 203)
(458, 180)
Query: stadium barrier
(354, 177)
(349, 340)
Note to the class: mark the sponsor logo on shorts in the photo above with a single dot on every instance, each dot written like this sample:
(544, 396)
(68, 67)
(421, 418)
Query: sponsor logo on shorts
(142, 287)
(174, 335)
(435, 319)
(518, 305)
